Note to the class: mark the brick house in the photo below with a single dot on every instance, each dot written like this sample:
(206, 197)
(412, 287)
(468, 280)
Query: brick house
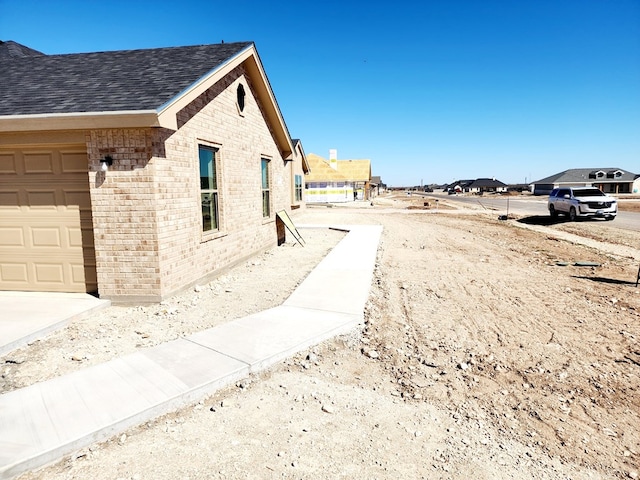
(479, 185)
(136, 174)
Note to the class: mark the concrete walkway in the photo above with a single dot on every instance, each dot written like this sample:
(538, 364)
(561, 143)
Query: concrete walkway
(42, 423)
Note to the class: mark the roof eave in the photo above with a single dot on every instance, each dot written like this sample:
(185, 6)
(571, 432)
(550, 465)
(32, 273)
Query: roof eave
(79, 121)
(305, 163)
(269, 102)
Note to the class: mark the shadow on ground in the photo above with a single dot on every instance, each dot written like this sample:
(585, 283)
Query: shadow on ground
(545, 220)
(614, 281)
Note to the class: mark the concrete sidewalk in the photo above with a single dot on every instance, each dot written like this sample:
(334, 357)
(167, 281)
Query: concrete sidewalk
(41, 423)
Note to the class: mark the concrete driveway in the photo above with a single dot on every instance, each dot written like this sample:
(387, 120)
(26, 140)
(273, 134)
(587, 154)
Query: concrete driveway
(27, 316)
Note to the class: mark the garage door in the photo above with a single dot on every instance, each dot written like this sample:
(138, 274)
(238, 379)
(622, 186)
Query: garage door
(46, 230)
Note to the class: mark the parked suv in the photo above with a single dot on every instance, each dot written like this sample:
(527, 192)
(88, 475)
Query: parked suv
(579, 202)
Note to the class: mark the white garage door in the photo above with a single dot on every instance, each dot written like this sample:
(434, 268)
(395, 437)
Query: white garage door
(46, 230)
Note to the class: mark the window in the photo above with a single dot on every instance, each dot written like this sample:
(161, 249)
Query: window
(298, 186)
(208, 188)
(266, 208)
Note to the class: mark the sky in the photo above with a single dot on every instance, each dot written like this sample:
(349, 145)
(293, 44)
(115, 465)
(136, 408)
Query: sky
(431, 91)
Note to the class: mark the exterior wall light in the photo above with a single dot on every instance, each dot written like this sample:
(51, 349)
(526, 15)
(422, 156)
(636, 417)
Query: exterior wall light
(105, 163)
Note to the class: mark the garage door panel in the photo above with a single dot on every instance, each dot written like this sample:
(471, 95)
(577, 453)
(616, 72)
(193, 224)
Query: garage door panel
(14, 274)
(42, 198)
(74, 237)
(45, 237)
(73, 162)
(49, 273)
(41, 162)
(77, 197)
(8, 164)
(77, 273)
(46, 228)
(42, 273)
(9, 199)
(11, 237)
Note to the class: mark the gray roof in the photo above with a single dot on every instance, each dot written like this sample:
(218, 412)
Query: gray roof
(104, 81)
(582, 175)
(11, 49)
(486, 182)
(461, 183)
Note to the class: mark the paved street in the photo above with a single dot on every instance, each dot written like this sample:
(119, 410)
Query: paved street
(526, 206)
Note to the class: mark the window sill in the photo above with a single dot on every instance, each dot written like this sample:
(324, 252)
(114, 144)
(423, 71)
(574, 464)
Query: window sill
(209, 236)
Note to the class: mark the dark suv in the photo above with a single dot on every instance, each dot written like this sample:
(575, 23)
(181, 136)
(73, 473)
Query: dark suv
(577, 202)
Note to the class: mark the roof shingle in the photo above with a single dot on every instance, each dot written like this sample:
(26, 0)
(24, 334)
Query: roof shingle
(127, 80)
(11, 49)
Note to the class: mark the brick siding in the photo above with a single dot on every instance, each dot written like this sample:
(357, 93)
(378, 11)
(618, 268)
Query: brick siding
(146, 208)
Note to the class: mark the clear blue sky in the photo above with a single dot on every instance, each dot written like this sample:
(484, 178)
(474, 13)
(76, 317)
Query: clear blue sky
(430, 91)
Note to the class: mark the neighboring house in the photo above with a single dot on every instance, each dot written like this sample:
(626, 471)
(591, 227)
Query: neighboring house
(519, 187)
(198, 162)
(377, 186)
(609, 180)
(486, 185)
(479, 185)
(458, 186)
(337, 181)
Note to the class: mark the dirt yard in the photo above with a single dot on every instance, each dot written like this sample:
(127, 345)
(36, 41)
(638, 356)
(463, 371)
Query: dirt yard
(486, 353)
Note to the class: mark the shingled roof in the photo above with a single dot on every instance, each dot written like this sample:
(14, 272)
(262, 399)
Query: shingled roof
(10, 50)
(582, 175)
(129, 80)
(487, 183)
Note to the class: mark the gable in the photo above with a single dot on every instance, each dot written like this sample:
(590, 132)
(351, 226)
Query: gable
(346, 170)
(320, 170)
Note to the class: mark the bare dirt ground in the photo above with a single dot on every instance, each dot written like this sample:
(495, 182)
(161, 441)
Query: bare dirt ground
(486, 353)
